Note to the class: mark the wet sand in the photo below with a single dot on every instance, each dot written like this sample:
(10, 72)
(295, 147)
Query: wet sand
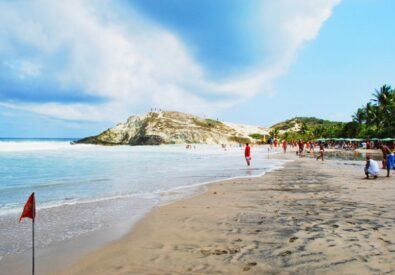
(307, 218)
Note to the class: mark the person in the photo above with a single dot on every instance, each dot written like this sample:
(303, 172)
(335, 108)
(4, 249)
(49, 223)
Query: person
(312, 149)
(371, 168)
(285, 145)
(301, 145)
(388, 156)
(321, 155)
(307, 146)
(247, 154)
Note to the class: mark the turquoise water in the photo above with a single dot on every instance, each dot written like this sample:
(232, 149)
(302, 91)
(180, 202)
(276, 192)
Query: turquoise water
(81, 188)
(60, 173)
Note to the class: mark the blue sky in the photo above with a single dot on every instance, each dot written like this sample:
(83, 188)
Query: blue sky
(75, 68)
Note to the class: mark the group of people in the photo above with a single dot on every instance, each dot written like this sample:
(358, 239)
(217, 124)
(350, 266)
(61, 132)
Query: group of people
(301, 145)
(372, 167)
(310, 146)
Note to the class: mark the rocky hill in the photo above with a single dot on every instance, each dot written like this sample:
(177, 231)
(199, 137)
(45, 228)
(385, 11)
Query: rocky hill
(166, 127)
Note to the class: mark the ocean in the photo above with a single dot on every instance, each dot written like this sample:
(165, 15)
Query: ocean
(82, 188)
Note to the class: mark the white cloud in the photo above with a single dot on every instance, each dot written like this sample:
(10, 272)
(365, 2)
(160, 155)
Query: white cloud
(290, 23)
(135, 63)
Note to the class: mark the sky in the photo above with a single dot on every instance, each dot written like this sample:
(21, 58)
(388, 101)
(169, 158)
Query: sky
(75, 68)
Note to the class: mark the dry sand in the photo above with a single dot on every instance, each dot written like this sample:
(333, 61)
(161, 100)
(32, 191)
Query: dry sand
(308, 218)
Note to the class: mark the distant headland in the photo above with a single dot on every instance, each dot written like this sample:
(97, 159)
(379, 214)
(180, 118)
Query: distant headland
(375, 120)
(169, 127)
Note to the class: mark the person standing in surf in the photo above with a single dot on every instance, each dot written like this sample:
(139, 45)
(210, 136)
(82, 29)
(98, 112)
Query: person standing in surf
(322, 150)
(301, 147)
(247, 154)
(285, 145)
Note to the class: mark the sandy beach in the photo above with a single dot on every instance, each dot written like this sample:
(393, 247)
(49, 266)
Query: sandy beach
(151, 137)
(307, 218)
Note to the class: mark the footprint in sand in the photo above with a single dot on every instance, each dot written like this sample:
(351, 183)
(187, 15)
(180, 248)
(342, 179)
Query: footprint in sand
(248, 266)
(386, 241)
(285, 253)
(222, 251)
(291, 240)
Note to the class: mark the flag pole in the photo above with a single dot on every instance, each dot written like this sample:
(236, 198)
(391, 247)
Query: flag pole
(29, 211)
(33, 248)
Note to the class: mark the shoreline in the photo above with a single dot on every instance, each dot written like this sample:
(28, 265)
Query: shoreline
(68, 261)
(323, 218)
(65, 252)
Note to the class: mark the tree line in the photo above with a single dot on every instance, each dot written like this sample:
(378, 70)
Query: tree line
(376, 119)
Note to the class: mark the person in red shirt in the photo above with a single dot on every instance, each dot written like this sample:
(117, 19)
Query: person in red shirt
(285, 145)
(247, 154)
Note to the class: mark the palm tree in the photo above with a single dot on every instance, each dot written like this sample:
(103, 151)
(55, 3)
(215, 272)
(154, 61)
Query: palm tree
(360, 116)
(383, 97)
(377, 117)
(274, 133)
(371, 114)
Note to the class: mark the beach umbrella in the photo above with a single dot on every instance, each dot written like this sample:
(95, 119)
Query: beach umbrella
(357, 139)
(387, 139)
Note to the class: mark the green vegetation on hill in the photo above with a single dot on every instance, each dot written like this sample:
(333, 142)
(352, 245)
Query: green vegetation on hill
(306, 128)
(375, 119)
(256, 136)
(207, 123)
(305, 123)
(239, 139)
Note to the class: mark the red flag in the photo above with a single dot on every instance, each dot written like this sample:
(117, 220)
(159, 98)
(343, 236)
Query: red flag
(29, 211)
